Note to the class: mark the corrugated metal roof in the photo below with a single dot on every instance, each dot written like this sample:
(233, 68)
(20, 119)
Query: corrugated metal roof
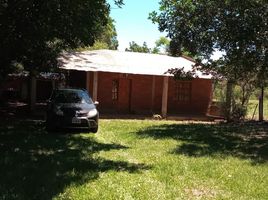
(124, 62)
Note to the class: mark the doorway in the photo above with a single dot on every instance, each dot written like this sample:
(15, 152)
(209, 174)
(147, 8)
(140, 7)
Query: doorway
(125, 90)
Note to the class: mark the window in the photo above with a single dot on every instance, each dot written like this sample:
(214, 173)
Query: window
(183, 91)
(115, 90)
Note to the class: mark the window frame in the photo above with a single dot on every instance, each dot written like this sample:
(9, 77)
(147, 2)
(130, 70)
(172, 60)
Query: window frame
(115, 90)
(183, 91)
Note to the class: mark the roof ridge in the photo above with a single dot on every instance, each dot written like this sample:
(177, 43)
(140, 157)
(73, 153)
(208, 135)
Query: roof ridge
(188, 58)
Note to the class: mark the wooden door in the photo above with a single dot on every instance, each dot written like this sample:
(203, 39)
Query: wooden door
(124, 104)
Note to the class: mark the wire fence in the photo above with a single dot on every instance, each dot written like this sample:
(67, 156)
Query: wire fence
(253, 109)
(219, 94)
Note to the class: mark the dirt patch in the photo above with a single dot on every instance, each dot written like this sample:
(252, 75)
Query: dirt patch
(201, 193)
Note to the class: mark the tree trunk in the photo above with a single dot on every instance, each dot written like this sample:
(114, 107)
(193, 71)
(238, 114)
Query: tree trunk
(261, 104)
(228, 105)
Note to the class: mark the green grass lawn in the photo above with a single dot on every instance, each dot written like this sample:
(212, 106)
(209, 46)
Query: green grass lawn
(134, 160)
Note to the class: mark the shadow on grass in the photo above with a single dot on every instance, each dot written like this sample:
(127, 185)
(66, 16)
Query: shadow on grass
(37, 165)
(247, 141)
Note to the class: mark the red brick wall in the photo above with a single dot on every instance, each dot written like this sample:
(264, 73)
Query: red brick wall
(135, 94)
(106, 104)
(201, 90)
(141, 101)
(158, 94)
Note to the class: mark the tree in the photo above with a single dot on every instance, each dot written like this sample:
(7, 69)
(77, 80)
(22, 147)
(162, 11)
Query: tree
(161, 45)
(108, 35)
(134, 47)
(165, 46)
(33, 33)
(238, 29)
(107, 38)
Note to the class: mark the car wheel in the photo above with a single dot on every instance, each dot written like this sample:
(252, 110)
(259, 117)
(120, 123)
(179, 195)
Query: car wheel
(94, 130)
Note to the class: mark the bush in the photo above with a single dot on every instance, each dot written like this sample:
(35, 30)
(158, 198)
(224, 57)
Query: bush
(238, 112)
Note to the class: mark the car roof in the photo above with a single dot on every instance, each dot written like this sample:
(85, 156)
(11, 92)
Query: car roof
(71, 89)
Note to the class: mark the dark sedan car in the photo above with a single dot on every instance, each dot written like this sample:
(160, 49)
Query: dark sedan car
(72, 108)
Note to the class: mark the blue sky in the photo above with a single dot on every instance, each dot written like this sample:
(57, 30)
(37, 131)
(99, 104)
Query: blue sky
(132, 23)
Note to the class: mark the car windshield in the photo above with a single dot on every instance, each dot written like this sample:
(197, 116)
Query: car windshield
(71, 96)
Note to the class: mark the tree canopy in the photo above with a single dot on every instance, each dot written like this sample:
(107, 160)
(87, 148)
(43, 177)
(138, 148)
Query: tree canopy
(238, 29)
(109, 35)
(134, 47)
(33, 33)
(107, 38)
(161, 46)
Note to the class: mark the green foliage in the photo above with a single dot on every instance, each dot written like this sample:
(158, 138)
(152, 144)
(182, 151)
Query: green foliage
(134, 47)
(97, 45)
(236, 28)
(162, 43)
(239, 112)
(33, 33)
(243, 91)
(161, 46)
(107, 36)
(180, 74)
(155, 50)
(119, 3)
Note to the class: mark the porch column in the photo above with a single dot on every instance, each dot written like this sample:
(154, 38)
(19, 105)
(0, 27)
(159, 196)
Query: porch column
(53, 82)
(87, 81)
(165, 97)
(95, 86)
(32, 91)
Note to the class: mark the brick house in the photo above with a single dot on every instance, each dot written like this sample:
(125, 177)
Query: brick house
(137, 83)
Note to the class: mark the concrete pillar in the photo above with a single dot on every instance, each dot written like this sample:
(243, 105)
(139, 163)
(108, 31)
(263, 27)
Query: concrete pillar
(33, 93)
(165, 97)
(95, 86)
(87, 81)
(53, 82)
